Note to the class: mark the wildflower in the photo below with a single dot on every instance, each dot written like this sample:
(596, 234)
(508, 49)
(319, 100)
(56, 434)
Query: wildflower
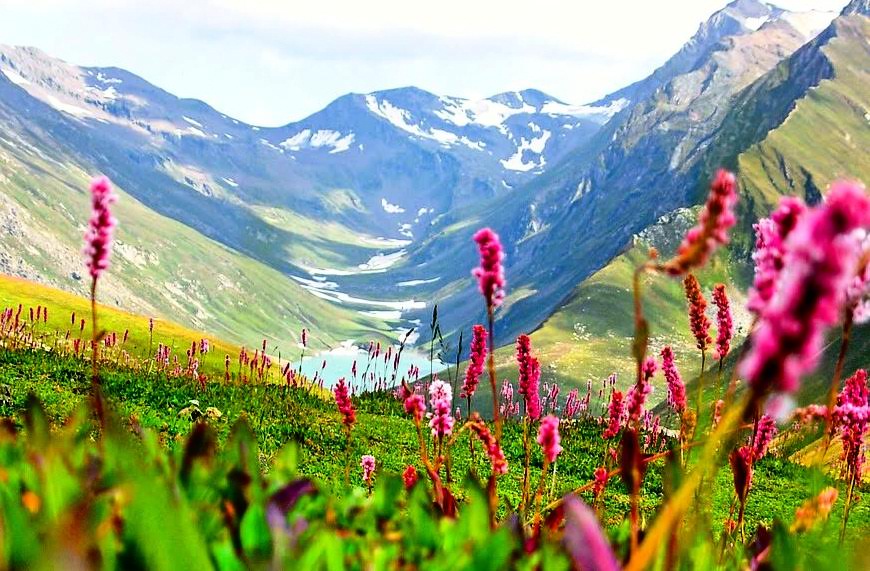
(676, 388)
(814, 510)
(714, 221)
(724, 323)
(304, 337)
(409, 476)
(584, 541)
(101, 226)
(490, 274)
(698, 321)
(203, 346)
(368, 466)
(530, 377)
(548, 437)
(616, 411)
(852, 419)
(820, 260)
(770, 237)
(440, 397)
(741, 467)
(763, 436)
(636, 396)
(493, 450)
(345, 406)
(414, 404)
(599, 481)
(475, 361)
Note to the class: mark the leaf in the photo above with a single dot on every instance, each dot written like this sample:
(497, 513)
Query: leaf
(255, 534)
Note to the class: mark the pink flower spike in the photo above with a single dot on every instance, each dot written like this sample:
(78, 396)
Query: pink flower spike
(493, 450)
(409, 477)
(345, 406)
(724, 323)
(101, 227)
(714, 221)
(490, 273)
(584, 540)
(475, 362)
(698, 321)
(821, 257)
(368, 466)
(770, 237)
(548, 437)
(530, 377)
(676, 387)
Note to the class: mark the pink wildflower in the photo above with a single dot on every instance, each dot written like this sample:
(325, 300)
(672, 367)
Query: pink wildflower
(698, 321)
(409, 476)
(714, 221)
(530, 377)
(636, 396)
(101, 226)
(852, 419)
(493, 450)
(616, 411)
(763, 436)
(368, 466)
(770, 238)
(345, 406)
(548, 437)
(820, 259)
(475, 361)
(490, 274)
(599, 481)
(440, 397)
(414, 404)
(724, 323)
(676, 388)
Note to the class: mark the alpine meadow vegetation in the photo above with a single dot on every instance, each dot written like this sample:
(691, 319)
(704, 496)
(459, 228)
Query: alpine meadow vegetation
(122, 450)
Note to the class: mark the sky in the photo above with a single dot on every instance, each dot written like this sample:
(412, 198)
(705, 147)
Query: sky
(272, 62)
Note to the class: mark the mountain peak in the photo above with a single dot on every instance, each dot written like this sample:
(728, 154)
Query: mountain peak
(861, 7)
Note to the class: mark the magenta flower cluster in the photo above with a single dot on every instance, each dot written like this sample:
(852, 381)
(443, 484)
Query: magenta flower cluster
(548, 437)
(724, 321)
(440, 397)
(636, 396)
(769, 256)
(490, 273)
(714, 221)
(368, 466)
(101, 227)
(676, 387)
(820, 259)
(476, 361)
(344, 404)
(529, 377)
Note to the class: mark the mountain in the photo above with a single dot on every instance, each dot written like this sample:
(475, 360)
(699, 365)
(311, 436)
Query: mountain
(648, 160)
(794, 130)
(272, 210)
(358, 218)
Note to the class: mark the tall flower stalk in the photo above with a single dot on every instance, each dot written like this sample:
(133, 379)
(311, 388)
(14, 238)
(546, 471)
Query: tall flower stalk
(98, 250)
(491, 283)
(700, 326)
(724, 330)
(348, 419)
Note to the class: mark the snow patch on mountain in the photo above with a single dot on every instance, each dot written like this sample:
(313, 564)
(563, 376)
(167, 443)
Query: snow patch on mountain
(305, 139)
(517, 163)
(14, 76)
(588, 111)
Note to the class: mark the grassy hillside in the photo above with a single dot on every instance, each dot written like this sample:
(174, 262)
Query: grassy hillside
(160, 266)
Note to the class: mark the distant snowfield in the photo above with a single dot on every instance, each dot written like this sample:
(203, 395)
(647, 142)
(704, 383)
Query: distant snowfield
(14, 76)
(306, 139)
